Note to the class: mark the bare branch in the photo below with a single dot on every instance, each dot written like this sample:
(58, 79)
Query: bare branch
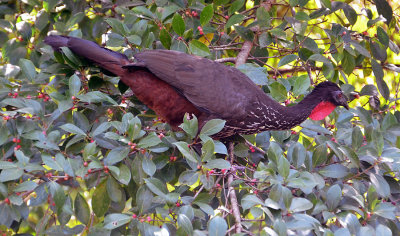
(232, 194)
(244, 53)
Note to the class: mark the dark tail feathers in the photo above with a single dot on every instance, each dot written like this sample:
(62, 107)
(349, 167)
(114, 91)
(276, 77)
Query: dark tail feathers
(103, 57)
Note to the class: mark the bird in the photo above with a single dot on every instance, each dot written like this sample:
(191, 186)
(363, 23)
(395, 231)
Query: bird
(173, 84)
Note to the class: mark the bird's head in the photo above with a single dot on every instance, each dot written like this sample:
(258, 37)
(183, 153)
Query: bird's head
(330, 96)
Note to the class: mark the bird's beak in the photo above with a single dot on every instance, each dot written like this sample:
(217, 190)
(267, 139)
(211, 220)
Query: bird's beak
(344, 102)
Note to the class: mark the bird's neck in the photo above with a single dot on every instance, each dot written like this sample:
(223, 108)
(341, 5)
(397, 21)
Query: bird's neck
(278, 117)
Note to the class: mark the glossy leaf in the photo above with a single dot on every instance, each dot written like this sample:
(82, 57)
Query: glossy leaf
(206, 14)
(217, 226)
(178, 24)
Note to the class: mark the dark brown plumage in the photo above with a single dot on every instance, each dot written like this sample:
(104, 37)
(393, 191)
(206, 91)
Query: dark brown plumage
(174, 83)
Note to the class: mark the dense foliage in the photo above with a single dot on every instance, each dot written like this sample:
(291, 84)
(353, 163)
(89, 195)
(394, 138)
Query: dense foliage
(81, 155)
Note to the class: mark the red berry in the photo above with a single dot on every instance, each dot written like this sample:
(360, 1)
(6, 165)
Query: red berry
(7, 201)
(344, 33)
(142, 220)
(393, 107)
(28, 97)
(334, 140)
(223, 171)
(226, 17)
(211, 172)
(109, 111)
(14, 140)
(356, 96)
(365, 33)
(218, 185)
(161, 135)
(10, 94)
(134, 216)
(85, 164)
(89, 171)
(178, 204)
(148, 219)
(222, 33)
(294, 132)
(40, 95)
(6, 118)
(73, 97)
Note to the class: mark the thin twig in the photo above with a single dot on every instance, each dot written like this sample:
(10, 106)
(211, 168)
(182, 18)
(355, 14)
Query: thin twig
(244, 53)
(232, 194)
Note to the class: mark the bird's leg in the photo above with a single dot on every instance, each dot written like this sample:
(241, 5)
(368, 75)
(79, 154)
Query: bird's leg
(232, 193)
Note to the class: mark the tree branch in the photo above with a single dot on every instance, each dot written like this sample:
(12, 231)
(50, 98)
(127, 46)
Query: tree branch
(244, 53)
(232, 194)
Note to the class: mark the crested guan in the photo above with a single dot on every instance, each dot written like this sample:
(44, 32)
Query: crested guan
(174, 83)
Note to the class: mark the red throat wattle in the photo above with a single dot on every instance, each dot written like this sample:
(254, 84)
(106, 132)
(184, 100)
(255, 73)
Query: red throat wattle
(322, 110)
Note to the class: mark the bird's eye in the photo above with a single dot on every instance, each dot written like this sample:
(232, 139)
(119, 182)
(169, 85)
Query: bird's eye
(340, 95)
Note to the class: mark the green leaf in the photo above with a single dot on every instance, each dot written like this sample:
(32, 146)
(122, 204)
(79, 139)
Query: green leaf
(96, 96)
(217, 226)
(382, 36)
(150, 140)
(348, 63)
(206, 14)
(334, 171)
(300, 204)
(198, 48)
(178, 25)
(360, 49)
(235, 6)
(100, 200)
(185, 223)
(188, 177)
(70, 57)
(7, 165)
(278, 91)
(350, 14)
(59, 196)
(244, 32)
(72, 129)
(212, 127)
(386, 210)
(148, 166)
(218, 163)
(114, 190)
(116, 220)
(326, 3)
(378, 51)
(250, 200)
(190, 126)
(116, 155)
(157, 187)
(118, 26)
(379, 74)
(320, 155)
(233, 20)
(319, 57)
(263, 17)
(283, 167)
(135, 39)
(381, 185)
(74, 85)
(82, 210)
(26, 186)
(28, 69)
(165, 38)
(10, 174)
(186, 152)
(287, 59)
(384, 9)
(333, 197)
(301, 84)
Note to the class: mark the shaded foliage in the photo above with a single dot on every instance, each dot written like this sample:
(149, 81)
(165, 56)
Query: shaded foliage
(80, 154)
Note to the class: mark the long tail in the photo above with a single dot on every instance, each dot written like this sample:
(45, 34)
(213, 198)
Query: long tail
(103, 57)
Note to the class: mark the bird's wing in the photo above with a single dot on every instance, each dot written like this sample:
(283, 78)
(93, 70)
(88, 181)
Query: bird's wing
(220, 90)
